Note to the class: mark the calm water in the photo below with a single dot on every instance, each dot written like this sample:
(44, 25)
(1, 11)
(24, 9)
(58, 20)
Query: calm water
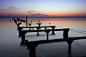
(10, 42)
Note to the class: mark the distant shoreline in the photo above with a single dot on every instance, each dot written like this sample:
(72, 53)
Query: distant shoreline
(43, 17)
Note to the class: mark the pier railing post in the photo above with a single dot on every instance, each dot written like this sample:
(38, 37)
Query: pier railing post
(47, 31)
(45, 28)
(65, 33)
(53, 30)
(37, 31)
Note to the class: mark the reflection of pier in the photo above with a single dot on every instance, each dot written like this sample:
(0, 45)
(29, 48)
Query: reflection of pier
(33, 44)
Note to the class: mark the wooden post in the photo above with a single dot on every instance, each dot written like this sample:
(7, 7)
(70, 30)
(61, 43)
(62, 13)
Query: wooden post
(19, 29)
(47, 31)
(37, 31)
(65, 33)
(69, 41)
(32, 46)
(32, 52)
(69, 49)
(23, 36)
(53, 30)
(45, 28)
(29, 26)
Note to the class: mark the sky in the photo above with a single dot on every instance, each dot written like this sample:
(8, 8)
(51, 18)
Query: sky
(42, 8)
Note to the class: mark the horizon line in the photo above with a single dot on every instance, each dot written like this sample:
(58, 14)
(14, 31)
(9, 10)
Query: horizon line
(46, 17)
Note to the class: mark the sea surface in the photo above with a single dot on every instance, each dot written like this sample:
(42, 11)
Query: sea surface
(10, 42)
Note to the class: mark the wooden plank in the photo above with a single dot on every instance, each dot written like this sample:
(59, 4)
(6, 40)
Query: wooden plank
(41, 30)
(37, 26)
(57, 40)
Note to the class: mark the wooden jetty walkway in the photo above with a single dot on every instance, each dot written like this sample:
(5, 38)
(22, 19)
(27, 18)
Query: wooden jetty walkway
(31, 45)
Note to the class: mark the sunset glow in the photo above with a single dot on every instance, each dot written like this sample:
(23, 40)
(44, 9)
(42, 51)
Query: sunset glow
(42, 8)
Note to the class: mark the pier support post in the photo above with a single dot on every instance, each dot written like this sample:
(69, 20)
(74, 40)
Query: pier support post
(65, 33)
(23, 36)
(32, 52)
(19, 29)
(69, 41)
(37, 31)
(47, 31)
(32, 46)
(45, 28)
(53, 30)
(18, 25)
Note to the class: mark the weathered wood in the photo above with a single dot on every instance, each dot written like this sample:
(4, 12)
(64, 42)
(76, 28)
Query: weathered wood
(34, 44)
(58, 40)
(42, 30)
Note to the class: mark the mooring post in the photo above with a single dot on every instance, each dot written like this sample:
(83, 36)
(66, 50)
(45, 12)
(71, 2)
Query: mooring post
(53, 30)
(37, 31)
(47, 31)
(69, 41)
(65, 33)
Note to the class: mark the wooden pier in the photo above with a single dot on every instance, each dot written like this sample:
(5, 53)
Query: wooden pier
(31, 45)
(37, 29)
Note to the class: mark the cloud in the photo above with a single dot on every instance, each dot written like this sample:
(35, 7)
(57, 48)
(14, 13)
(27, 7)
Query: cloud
(34, 13)
(12, 8)
(9, 8)
(1, 5)
(33, 10)
(45, 15)
(2, 9)
(39, 14)
(29, 11)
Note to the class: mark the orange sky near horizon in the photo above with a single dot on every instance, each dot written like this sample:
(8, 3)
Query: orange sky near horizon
(48, 13)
